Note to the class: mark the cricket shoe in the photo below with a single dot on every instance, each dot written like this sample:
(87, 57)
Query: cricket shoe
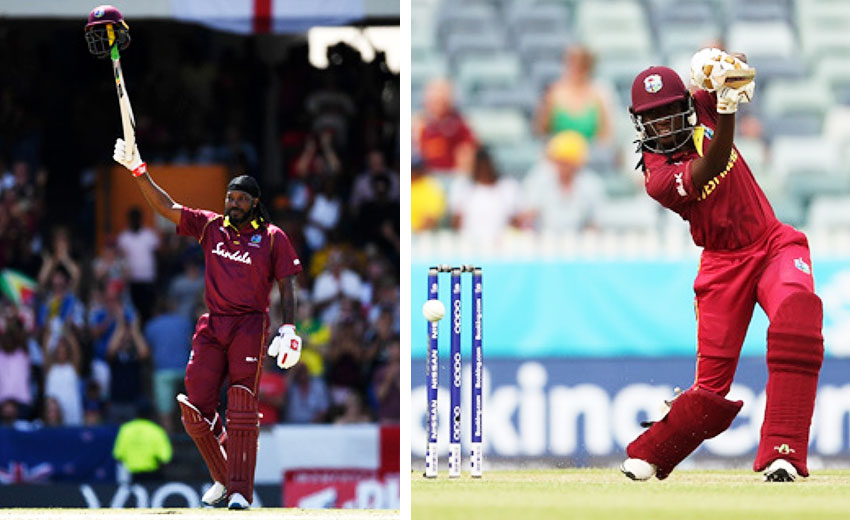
(214, 494)
(237, 501)
(780, 470)
(637, 469)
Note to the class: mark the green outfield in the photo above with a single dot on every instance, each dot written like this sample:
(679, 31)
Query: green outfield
(598, 494)
(267, 513)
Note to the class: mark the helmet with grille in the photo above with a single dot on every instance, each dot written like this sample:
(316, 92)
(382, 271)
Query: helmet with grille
(662, 110)
(105, 29)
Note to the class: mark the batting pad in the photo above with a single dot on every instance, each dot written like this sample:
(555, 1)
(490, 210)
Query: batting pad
(243, 426)
(202, 431)
(794, 357)
(694, 416)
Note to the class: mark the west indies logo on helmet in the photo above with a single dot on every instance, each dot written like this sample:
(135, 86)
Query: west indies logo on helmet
(662, 131)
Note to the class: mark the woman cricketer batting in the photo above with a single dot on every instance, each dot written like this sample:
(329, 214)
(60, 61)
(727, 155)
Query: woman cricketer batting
(691, 167)
(245, 255)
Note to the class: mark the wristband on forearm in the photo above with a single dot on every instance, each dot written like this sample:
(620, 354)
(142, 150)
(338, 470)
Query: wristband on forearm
(141, 170)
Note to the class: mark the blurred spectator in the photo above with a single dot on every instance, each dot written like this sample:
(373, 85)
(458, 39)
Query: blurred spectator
(559, 194)
(187, 288)
(574, 102)
(336, 283)
(386, 385)
(427, 198)
(53, 416)
(10, 414)
(59, 257)
(363, 189)
(20, 208)
(142, 446)
(15, 365)
(105, 311)
(62, 378)
(126, 351)
(272, 391)
(59, 308)
(483, 205)
(94, 406)
(318, 157)
(379, 219)
(324, 214)
(109, 267)
(138, 245)
(347, 362)
(378, 337)
(307, 397)
(354, 412)
(169, 336)
(440, 134)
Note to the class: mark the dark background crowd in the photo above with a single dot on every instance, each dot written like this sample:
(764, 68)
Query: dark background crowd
(107, 333)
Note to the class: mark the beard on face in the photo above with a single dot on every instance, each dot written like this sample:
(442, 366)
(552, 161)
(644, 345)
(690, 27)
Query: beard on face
(237, 216)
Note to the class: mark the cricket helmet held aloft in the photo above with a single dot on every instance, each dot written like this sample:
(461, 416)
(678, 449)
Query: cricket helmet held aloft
(658, 87)
(105, 29)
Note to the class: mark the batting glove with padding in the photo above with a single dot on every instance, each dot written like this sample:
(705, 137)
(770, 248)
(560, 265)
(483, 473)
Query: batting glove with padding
(131, 161)
(710, 67)
(286, 346)
(728, 98)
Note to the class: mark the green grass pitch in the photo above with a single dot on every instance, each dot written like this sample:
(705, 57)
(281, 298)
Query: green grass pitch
(597, 494)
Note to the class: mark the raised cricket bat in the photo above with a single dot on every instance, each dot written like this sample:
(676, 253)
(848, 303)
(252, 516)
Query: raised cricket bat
(128, 121)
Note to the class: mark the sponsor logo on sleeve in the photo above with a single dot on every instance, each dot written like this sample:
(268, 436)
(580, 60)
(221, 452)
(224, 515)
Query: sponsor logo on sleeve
(801, 264)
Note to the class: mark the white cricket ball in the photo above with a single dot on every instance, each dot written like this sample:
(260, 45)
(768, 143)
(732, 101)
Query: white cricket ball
(433, 310)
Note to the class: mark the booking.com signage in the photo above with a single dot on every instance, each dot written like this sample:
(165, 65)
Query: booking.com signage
(581, 407)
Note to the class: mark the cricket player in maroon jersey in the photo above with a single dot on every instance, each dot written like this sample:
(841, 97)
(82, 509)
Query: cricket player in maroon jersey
(245, 256)
(691, 166)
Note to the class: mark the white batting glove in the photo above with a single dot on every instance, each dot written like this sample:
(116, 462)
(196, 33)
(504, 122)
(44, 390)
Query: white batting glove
(131, 161)
(729, 98)
(286, 346)
(710, 66)
(700, 62)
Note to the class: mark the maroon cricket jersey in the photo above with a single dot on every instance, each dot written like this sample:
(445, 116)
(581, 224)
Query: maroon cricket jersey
(730, 211)
(241, 266)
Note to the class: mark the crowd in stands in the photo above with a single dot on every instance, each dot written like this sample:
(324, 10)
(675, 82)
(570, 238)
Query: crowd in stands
(456, 182)
(95, 336)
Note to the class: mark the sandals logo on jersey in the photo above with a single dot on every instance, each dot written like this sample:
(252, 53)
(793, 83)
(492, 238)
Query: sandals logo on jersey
(652, 83)
(255, 240)
(801, 264)
(236, 256)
